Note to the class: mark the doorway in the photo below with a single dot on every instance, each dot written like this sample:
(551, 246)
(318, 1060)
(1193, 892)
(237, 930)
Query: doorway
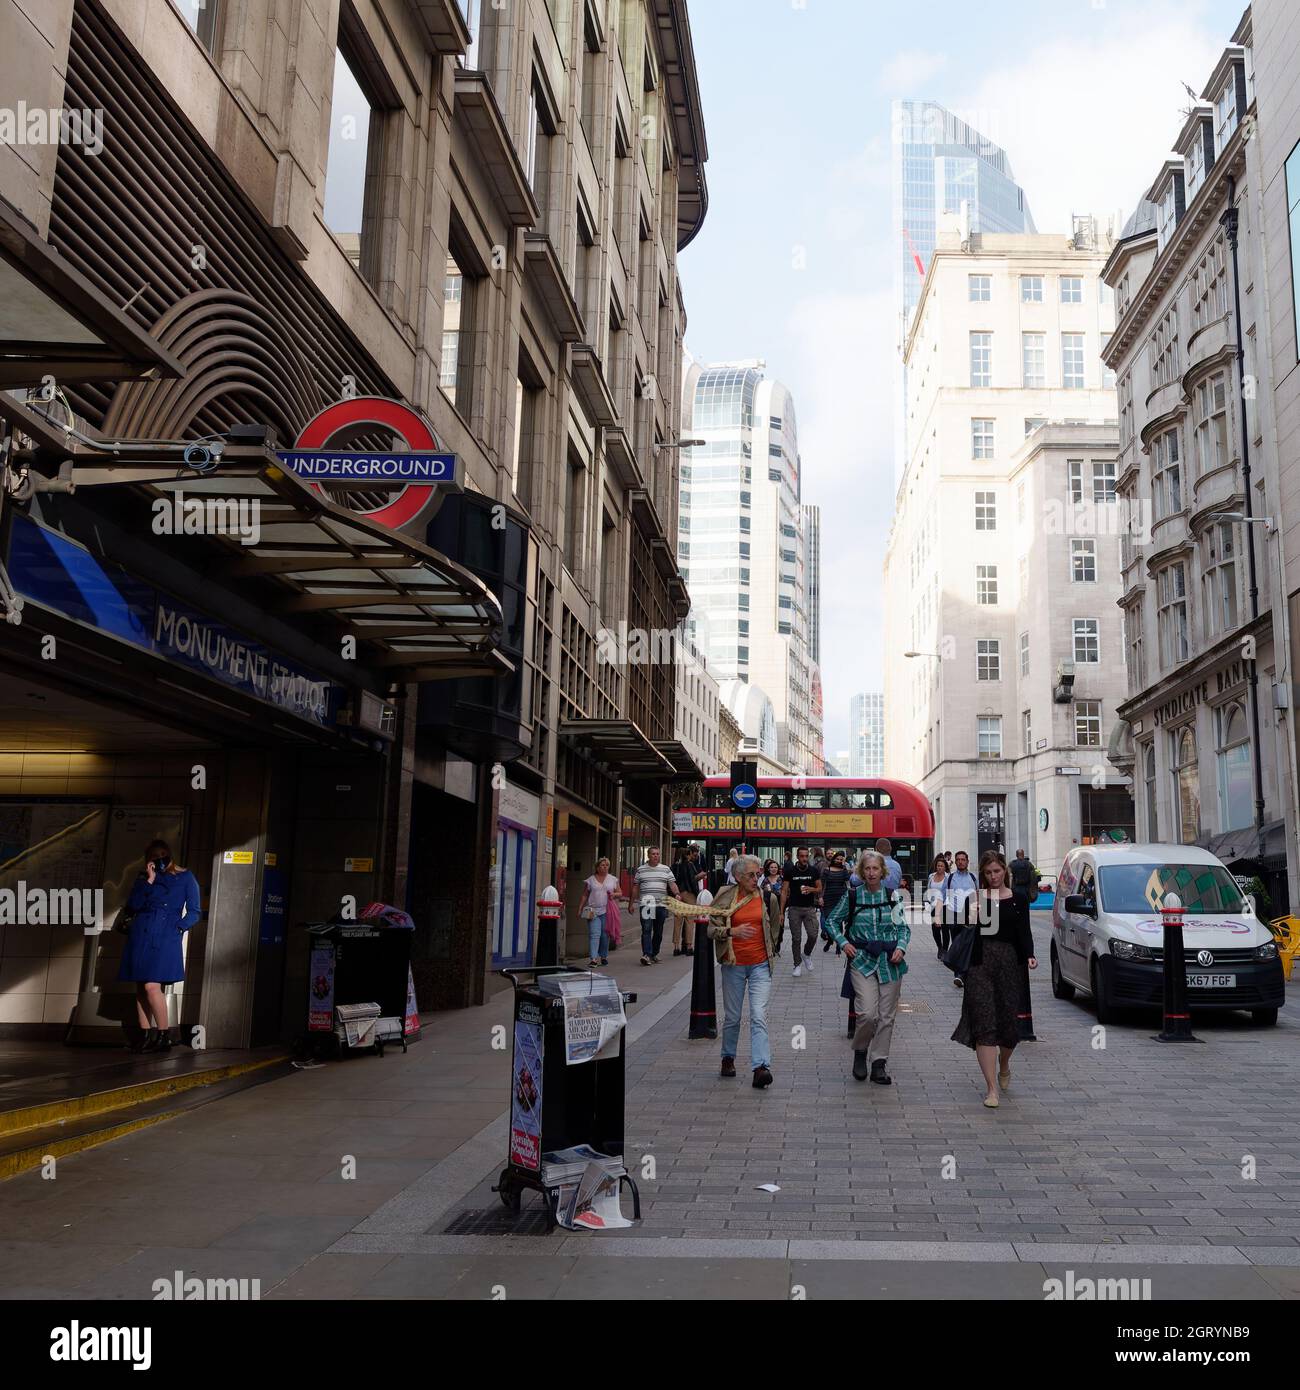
(990, 821)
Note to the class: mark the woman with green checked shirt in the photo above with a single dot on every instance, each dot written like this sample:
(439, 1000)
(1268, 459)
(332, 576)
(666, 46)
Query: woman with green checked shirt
(875, 939)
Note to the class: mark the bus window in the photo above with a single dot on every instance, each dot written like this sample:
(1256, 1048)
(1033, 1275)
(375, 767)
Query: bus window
(772, 797)
(850, 801)
(808, 800)
(883, 800)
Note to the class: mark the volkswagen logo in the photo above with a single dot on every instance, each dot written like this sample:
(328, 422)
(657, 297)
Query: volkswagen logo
(1204, 958)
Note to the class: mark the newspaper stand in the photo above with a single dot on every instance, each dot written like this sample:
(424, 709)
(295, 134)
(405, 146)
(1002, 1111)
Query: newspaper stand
(565, 1105)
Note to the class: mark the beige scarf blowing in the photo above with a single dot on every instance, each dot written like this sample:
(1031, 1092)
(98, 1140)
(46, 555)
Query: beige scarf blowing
(681, 909)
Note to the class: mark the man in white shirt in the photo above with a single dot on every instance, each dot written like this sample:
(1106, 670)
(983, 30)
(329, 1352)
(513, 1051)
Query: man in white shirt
(654, 879)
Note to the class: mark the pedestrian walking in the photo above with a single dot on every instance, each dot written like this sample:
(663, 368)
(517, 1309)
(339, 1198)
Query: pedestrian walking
(653, 880)
(893, 869)
(1024, 876)
(685, 875)
(770, 883)
(835, 883)
(960, 888)
(731, 864)
(593, 907)
(163, 905)
(799, 893)
(875, 938)
(935, 890)
(743, 935)
(1000, 951)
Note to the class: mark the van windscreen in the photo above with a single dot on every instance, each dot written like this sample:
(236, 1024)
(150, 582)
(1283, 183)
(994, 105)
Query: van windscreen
(1141, 888)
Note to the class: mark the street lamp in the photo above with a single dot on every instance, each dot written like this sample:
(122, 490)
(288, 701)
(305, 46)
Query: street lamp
(938, 656)
(679, 444)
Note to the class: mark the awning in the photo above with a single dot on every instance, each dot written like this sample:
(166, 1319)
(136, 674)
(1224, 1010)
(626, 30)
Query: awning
(685, 768)
(416, 615)
(1242, 844)
(620, 746)
(54, 322)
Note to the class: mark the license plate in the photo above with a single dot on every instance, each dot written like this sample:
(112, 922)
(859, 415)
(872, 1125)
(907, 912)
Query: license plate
(1212, 981)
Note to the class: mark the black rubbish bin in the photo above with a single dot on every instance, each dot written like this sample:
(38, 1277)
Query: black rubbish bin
(363, 961)
(555, 1105)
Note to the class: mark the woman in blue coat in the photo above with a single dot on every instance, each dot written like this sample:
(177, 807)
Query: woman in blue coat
(164, 904)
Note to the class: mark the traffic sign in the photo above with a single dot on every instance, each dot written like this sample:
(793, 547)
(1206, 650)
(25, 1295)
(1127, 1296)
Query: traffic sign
(744, 796)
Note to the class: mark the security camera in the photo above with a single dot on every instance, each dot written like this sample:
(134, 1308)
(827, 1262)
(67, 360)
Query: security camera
(204, 457)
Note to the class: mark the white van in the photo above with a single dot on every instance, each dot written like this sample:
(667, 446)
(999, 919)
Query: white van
(1107, 933)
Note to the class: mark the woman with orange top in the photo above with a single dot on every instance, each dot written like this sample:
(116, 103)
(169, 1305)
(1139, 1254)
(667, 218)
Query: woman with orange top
(745, 940)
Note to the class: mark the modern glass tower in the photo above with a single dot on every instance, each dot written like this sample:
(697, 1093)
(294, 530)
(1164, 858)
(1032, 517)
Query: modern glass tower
(742, 543)
(938, 163)
(867, 735)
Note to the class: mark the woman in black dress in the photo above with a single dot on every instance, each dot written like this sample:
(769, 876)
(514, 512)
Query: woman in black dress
(994, 982)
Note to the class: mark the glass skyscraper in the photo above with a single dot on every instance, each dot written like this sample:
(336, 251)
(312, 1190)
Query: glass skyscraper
(938, 163)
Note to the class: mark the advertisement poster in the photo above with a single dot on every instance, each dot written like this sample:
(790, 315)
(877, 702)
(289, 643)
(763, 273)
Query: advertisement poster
(411, 1024)
(526, 1096)
(320, 1013)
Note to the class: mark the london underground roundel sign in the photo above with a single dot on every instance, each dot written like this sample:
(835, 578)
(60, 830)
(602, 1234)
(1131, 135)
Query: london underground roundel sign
(413, 476)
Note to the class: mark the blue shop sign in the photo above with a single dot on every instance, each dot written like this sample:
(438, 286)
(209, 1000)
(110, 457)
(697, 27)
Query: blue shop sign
(53, 571)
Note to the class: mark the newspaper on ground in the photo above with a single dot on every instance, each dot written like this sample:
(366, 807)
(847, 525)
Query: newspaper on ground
(593, 1018)
(767, 1187)
(591, 1204)
(563, 1167)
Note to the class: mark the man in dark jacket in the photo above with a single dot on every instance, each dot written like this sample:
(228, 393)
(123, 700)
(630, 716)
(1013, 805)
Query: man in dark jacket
(1024, 877)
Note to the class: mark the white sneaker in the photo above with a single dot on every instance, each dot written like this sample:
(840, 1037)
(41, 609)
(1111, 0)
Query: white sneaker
(808, 964)
(798, 970)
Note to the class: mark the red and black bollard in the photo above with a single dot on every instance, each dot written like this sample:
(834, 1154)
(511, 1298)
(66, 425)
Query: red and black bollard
(1177, 1017)
(704, 1000)
(1025, 1014)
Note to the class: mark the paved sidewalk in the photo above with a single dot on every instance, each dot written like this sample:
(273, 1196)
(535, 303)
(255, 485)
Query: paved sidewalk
(1125, 1160)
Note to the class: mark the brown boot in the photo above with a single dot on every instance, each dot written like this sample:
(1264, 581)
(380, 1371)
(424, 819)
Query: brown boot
(728, 1066)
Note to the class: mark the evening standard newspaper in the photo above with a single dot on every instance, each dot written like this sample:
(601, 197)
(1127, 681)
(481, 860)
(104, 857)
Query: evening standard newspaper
(593, 1018)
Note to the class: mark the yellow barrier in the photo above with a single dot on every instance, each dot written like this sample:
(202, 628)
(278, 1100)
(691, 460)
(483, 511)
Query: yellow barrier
(1286, 931)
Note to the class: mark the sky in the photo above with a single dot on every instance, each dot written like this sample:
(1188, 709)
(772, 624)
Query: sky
(793, 264)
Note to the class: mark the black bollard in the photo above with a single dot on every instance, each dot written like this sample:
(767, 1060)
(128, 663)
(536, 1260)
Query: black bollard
(1177, 1018)
(704, 1000)
(1025, 1015)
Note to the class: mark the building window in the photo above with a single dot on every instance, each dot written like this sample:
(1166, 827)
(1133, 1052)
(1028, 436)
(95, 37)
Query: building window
(472, 11)
(981, 359)
(1087, 723)
(1162, 348)
(1026, 732)
(1032, 422)
(1071, 289)
(1087, 641)
(1074, 469)
(1020, 503)
(1103, 480)
(986, 511)
(528, 396)
(979, 288)
(1024, 653)
(1072, 361)
(1033, 359)
(986, 585)
(1083, 561)
(455, 373)
(575, 515)
(1171, 615)
(1209, 289)
(1219, 580)
(1107, 373)
(1225, 112)
(1134, 649)
(981, 439)
(354, 160)
(988, 659)
(1167, 474)
(1031, 289)
(989, 733)
(201, 16)
(1187, 785)
(1149, 769)
(1210, 403)
(1125, 389)
(1236, 786)
(1293, 217)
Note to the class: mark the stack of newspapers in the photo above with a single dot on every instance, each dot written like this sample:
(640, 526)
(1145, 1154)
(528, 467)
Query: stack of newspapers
(588, 1183)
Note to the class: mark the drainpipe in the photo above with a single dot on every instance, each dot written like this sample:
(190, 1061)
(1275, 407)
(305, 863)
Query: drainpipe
(1229, 223)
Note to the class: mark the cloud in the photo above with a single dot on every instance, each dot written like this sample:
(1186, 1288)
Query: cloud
(911, 69)
(1087, 123)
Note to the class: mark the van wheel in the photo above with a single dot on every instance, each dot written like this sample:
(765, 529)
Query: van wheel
(1263, 1018)
(1061, 987)
(1105, 1009)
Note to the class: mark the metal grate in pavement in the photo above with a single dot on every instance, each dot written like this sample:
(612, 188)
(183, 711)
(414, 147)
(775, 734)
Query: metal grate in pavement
(497, 1223)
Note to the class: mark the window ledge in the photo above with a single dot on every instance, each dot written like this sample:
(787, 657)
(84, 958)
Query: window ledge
(477, 109)
(445, 25)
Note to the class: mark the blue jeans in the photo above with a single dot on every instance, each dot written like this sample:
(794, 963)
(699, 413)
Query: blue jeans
(758, 978)
(598, 937)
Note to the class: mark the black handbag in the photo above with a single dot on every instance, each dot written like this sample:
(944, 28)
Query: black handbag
(958, 956)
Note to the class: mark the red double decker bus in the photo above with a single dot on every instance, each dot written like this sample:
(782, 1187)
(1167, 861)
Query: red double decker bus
(821, 812)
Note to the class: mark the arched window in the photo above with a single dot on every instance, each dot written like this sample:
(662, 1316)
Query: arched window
(1236, 788)
(1187, 785)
